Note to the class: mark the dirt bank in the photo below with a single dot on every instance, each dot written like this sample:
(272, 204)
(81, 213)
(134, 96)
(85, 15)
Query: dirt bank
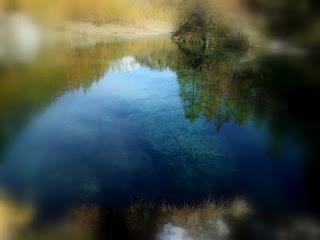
(83, 34)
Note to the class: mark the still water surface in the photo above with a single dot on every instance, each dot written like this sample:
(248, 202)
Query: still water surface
(151, 121)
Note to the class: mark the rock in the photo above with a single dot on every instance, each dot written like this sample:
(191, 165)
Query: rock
(171, 232)
(222, 228)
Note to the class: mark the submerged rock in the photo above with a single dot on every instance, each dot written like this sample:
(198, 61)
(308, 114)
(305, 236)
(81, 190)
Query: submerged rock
(171, 232)
(222, 228)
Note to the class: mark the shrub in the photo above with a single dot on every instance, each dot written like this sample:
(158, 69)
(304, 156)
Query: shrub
(204, 22)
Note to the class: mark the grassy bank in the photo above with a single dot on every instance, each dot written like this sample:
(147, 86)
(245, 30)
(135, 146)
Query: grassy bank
(90, 21)
(87, 22)
(95, 11)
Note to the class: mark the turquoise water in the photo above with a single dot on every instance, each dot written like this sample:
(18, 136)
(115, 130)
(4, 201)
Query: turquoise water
(159, 125)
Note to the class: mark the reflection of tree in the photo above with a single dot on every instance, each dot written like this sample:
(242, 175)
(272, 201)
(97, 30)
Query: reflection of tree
(205, 82)
(224, 88)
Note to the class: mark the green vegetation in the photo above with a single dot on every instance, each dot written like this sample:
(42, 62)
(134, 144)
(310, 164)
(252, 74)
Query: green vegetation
(203, 23)
(242, 23)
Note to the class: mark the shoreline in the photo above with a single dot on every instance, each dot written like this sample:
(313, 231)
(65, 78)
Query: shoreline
(77, 34)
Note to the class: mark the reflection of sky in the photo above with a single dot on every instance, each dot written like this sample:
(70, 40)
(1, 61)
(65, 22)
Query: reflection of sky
(125, 64)
(85, 132)
(95, 144)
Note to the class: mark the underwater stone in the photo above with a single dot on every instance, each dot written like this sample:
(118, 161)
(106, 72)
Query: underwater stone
(171, 232)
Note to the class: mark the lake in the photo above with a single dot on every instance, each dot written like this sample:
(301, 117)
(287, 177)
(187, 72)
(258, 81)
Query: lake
(92, 132)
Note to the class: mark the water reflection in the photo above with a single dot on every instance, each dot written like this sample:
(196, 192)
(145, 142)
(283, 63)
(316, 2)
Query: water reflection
(20, 38)
(14, 217)
(27, 89)
(110, 125)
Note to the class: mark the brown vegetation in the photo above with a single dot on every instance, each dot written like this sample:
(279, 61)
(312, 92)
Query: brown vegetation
(96, 11)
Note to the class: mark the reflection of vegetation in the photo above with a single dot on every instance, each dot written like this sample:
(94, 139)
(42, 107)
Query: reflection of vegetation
(205, 80)
(226, 87)
(13, 217)
(232, 87)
